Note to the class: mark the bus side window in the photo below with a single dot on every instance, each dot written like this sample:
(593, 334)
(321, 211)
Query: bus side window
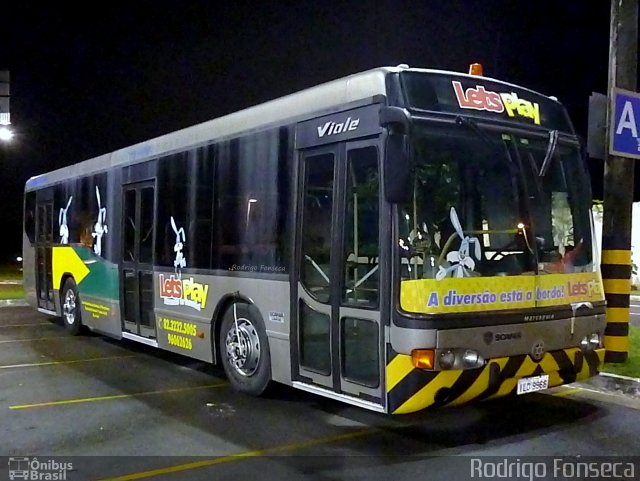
(316, 226)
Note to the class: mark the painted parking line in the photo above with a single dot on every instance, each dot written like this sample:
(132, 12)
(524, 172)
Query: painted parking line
(567, 392)
(58, 363)
(38, 339)
(28, 325)
(113, 396)
(246, 454)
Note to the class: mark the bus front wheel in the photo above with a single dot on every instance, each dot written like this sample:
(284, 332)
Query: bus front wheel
(244, 350)
(71, 307)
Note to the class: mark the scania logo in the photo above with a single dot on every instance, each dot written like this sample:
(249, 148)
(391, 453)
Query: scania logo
(489, 337)
(507, 336)
(335, 128)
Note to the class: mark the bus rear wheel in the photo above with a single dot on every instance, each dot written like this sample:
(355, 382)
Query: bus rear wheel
(244, 350)
(71, 307)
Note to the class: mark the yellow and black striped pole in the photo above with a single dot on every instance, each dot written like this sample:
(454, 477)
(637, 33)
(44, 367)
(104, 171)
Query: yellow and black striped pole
(618, 186)
(616, 276)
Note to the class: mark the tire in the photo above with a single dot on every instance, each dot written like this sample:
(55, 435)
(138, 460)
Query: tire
(247, 366)
(70, 306)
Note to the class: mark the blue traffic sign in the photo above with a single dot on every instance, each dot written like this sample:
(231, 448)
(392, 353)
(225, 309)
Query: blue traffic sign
(625, 122)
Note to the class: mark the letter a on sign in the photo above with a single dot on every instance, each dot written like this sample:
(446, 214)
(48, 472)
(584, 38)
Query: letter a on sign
(627, 120)
(623, 130)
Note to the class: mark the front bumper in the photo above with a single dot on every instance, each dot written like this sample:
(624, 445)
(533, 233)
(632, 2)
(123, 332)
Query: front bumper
(410, 389)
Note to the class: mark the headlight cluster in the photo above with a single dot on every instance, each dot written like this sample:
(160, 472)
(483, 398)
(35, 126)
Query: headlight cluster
(591, 342)
(457, 358)
(460, 359)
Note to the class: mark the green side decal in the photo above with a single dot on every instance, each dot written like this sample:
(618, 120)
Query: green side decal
(102, 279)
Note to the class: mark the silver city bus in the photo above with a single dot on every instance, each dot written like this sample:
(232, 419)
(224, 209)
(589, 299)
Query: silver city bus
(397, 239)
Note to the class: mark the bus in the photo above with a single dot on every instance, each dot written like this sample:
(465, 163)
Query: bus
(398, 239)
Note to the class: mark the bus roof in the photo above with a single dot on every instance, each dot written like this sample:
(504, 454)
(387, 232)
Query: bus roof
(359, 86)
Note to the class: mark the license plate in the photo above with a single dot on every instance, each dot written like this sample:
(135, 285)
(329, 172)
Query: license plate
(533, 384)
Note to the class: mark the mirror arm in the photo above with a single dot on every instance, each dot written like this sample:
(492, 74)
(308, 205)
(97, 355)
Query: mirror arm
(397, 119)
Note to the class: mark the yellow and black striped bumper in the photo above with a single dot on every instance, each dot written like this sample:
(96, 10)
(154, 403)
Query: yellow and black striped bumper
(410, 389)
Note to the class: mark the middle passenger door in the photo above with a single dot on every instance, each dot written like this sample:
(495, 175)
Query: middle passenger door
(339, 331)
(138, 218)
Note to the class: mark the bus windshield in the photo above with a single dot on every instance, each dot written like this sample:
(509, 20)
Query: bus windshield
(483, 206)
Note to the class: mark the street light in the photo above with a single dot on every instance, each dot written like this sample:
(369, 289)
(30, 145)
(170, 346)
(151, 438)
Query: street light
(6, 134)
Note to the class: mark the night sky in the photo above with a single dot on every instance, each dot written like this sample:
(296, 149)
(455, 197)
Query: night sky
(89, 80)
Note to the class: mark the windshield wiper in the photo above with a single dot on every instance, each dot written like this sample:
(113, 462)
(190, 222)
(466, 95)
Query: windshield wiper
(472, 125)
(551, 149)
(497, 147)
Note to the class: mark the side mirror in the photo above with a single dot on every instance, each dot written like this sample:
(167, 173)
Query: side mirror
(398, 169)
(396, 119)
(398, 158)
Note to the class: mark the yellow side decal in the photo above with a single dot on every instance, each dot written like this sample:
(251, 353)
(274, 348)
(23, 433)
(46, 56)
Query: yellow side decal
(65, 259)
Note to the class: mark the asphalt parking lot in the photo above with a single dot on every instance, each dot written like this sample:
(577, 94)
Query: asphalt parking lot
(120, 410)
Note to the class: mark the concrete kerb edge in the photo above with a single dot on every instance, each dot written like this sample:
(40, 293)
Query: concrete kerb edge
(13, 303)
(621, 378)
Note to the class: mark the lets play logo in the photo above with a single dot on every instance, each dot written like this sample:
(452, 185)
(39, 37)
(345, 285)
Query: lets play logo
(183, 292)
(479, 98)
(589, 289)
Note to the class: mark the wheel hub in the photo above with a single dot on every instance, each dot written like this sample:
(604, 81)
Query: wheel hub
(69, 307)
(243, 347)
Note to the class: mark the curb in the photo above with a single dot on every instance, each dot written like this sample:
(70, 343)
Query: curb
(614, 383)
(621, 377)
(13, 303)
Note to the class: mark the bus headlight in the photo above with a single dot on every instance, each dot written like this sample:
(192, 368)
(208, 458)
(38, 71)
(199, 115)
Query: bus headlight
(459, 358)
(584, 343)
(472, 359)
(594, 340)
(447, 359)
(591, 342)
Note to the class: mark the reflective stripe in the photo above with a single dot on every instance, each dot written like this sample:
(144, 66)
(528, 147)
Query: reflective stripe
(617, 314)
(616, 257)
(617, 286)
(397, 370)
(616, 343)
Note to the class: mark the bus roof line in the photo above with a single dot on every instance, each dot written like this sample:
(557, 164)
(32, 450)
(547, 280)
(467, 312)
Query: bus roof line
(349, 89)
(358, 86)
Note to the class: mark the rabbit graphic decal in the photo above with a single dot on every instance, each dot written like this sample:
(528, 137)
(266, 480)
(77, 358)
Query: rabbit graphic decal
(62, 221)
(100, 228)
(461, 261)
(179, 262)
